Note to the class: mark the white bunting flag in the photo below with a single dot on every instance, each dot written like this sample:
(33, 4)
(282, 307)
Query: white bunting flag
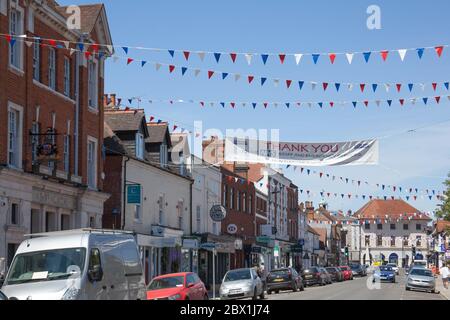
(422, 85)
(298, 58)
(276, 82)
(349, 57)
(402, 53)
(413, 101)
(28, 43)
(196, 72)
(309, 104)
(387, 86)
(110, 48)
(313, 85)
(66, 44)
(237, 76)
(350, 86)
(249, 57)
(201, 55)
(115, 59)
(378, 102)
(157, 66)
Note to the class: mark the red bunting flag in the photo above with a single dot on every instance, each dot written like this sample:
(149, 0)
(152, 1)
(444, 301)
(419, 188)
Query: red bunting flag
(332, 104)
(402, 101)
(321, 174)
(233, 104)
(129, 61)
(325, 86)
(52, 42)
(95, 47)
(175, 128)
(9, 38)
(186, 55)
(438, 99)
(434, 86)
(415, 197)
(171, 68)
(282, 58)
(349, 196)
(332, 57)
(88, 54)
(366, 103)
(250, 79)
(288, 83)
(151, 119)
(265, 105)
(362, 86)
(384, 55)
(439, 50)
(399, 87)
(202, 103)
(210, 74)
(233, 57)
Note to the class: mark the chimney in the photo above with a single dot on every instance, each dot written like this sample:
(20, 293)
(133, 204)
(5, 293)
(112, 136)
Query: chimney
(105, 100)
(113, 100)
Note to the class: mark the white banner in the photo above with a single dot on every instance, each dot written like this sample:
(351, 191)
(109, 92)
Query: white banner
(364, 152)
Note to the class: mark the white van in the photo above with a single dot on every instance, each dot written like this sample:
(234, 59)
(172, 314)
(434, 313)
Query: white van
(77, 265)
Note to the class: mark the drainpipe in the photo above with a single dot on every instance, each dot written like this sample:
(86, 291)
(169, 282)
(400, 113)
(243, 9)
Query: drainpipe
(77, 109)
(124, 197)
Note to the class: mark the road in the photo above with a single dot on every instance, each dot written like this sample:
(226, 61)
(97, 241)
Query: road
(357, 290)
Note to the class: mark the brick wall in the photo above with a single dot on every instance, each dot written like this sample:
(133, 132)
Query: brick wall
(113, 186)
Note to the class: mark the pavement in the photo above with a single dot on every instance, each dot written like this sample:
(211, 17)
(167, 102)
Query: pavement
(440, 288)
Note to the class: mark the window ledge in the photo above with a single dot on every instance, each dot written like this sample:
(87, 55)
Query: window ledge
(16, 70)
(93, 110)
(43, 86)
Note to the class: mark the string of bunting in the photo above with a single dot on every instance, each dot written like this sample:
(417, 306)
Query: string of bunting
(363, 87)
(249, 57)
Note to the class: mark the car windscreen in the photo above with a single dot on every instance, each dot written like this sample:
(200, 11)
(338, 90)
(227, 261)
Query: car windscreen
(47, 266)
(385, 268)
(331, 270)
(355, 267)
(280, 272)
(421, 272)
(167, 283)
(238, 275)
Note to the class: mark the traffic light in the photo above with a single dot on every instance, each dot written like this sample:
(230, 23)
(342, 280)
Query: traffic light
(414, 251)
(346, 251)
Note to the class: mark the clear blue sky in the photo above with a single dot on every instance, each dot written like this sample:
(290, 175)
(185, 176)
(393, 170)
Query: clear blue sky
(420, 159)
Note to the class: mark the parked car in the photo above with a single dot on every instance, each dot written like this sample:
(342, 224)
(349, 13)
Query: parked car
(177, 286)
(328, 277)
(348, 274)
(77, 265)
(336, 274)
(241, 284)
(421, 279)
(419, 263)
(313, 276)
(2, 296)
(384, 273)
(394, 267)
(284, 279)
(358, 270)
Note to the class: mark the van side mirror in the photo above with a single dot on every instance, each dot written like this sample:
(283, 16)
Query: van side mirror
(95, 274)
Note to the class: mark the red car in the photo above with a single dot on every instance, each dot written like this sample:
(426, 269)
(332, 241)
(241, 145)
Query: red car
(177, 286)
(347, 271)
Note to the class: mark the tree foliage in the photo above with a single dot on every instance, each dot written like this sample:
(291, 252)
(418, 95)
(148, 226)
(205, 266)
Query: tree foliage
(443, 211)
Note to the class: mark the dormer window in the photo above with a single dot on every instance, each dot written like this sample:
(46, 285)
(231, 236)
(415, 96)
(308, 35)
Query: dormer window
(140, 146)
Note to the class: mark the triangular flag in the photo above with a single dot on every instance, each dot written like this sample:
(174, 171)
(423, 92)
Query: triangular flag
(438, 99)
(276, 82)
(315, 57)
(325, 86)
(143, 63)
(387, 87)
(129, 60)
(420, 52)
(210, 74)
(332, 57)
(374, 87)
(171, 68)
(222, 104)
(298, 58)
(446, 85)
(349, 57)
(425, 100)
(402, 101)
(384, 55)
(288, 105)
(288, 83)
(237, 76)
(233, 57)
(263, 80)
(264, 58)
(434, 86)
(354, 104)
(338, 86)
(183, 70)
(410, 86)
(439, 50)
(250, 79)
(389, 102)
(282, 58)
(399, 87)
(367, 56)
(66, 44)
(186, 55)
(224, 75)
(157, 66)
(249, 57)
(313, 85)
(366, 103)
(217, 56)
(125, 49)
(201, 55)
(254, 105)
(171, 52)
(402, 53)
(362, 86)
(28, 43)
(300, 84)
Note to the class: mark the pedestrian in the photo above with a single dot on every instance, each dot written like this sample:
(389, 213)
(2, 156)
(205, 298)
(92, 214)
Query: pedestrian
(445, 274)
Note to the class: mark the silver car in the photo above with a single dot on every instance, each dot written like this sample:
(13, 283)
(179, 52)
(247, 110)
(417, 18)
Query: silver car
(421, 279)
(241, 284)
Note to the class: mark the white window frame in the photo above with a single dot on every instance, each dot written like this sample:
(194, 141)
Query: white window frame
(66, 153)
(37, 60)
(17, 163)
(92, 141)
(139, 146)
(137, 213)
(93, 84)
(67, 75)
(52, 68)
(18, 65)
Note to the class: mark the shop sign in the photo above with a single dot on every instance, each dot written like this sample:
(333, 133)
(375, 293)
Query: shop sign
(232, 229)
(257, 250)
(218, 213)
(263, 239)
(190, 243)
(134, 194)
(276, 251)
(238, 245)
(208, 246)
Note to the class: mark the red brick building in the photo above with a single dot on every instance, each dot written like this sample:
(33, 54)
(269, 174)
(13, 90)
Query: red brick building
(51, 118)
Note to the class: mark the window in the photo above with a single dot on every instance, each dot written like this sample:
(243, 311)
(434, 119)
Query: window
(15, 28)
(35, 129)
(137, 212)
(14, 214)
(65, 222)
(198, 219)
(405, 226)
(393, 226)
(418, 227)
(92, 164)
(379, 241)
(250, 205)
(367, 241)
(52, 68)
(37, 60)
(406, 241)
(93, 84)
(232, 198)
(244, 202)
(379, 226)
(180, 209)
(92, 222)
(393, 241)
(239, 201)
(51, 136)
(140, 146)
(367, 226)
(66, 153)
(14, 138)
(214, 230)
(95, 260)
(163, 155)
(161, 210)
(225, 196)
(66, 76)
(419, 241)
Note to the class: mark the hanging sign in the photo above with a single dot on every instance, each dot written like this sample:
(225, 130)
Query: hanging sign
(364, 152)
(134, 194)
(218, 213)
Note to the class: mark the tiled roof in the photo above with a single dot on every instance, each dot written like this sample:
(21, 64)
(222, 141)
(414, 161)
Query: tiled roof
(157, 132)
(255, 172)
(322, 234)
(394, 209)
(122, 120)
(89, 15)
(112, 143)
(442, 225)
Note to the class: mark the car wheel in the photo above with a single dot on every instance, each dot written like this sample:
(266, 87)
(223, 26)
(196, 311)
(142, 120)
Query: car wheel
(408, 289)
(277, 292)
(269, 292)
